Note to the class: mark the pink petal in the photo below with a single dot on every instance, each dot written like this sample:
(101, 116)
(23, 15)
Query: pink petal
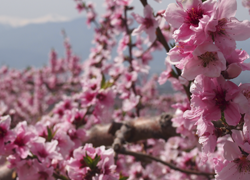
(174, 15)
(238, 137)
(238, 30)
(148, 12)
(138, 18)
(232, 114)
(227, 9)
(231, 151)
(188, 5)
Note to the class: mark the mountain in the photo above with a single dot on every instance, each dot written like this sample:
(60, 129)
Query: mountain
(30, 45)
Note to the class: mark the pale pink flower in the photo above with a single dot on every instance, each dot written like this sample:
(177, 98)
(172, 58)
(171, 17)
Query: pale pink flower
(238, 165)
(207, 60)
(225, 29)
(130, 103)
(123, 43)
(45, 151)
(147, 24)
(165, 75)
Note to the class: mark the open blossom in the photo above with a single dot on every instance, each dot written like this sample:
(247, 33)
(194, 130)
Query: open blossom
(45, 151)
(207, 60)
(23, 138)
(237, 166)
(147, 24)
(225, 29)
(190, 19)
(78, 169)
(214, 96)
(131, 102)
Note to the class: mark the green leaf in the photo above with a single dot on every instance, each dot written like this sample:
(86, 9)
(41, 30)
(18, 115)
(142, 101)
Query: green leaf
(107, 85)
(91, 163)
(203, 0)
(223, 118)
(123, 177)
(96, 160)
(103, 81)
(50, 136)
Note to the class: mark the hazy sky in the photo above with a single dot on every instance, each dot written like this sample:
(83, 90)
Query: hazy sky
(38, 8)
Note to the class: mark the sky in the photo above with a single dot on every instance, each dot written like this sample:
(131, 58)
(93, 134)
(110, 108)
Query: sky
(30, 9)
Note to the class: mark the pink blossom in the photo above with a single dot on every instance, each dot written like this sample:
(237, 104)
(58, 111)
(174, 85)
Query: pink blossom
(65, 144)
(225, 29)
(45, 151)
(23, 139)
(190, 17)
(238, 165)
(207, 60)
(123, 43)
(5, 133)
(214, 96)
(165, 75)
(147, 24)
(130, 103)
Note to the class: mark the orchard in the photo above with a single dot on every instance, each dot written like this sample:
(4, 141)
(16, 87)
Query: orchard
(106, 119)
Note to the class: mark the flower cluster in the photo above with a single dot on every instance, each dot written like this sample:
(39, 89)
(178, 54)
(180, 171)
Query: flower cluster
(205, 52)
(50, 116)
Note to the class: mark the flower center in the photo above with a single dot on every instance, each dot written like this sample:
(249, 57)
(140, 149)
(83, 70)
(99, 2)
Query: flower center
(219, 28)
(19, 141)
(43, 175)
(220, 100)
(43, 153)
(101, 97)
(243, 164)
(148, 22)
(207, 57)
(193, 16)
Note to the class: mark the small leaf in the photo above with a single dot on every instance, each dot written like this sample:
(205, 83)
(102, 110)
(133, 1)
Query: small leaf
(107, 85)
(123, 177)
(103, 81)
(49, 137)
(91, 163)
(96, 160)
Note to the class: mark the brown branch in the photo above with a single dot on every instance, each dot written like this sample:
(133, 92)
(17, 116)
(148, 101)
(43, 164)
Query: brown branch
(131, 131)
(5, 172)
(146, 156)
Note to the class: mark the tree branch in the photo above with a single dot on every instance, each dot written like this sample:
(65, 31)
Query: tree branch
(5, 172)
(146, 156)
(131, 131)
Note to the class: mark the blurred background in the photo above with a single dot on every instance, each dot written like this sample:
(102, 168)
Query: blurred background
(29, 29)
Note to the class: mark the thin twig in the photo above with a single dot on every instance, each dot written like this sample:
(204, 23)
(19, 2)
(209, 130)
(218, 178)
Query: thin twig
(146, 156)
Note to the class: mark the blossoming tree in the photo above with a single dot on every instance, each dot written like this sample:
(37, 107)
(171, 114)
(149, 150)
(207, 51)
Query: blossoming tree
(105, 119)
